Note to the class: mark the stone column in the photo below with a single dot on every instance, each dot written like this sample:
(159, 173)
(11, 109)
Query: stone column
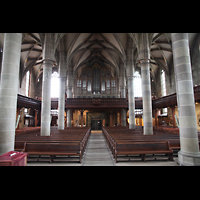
(122, 81)
(46, 98)
(61, 105)
(61, 101)
(131, 102)
(48, 59)
(144, 57)
(69, 118)
(9, 90)
(69, 111)
(122, 89)
(146, 96)
(189, 153)
(130, 79)
(69, 92)
(123, 117)
(69, 85)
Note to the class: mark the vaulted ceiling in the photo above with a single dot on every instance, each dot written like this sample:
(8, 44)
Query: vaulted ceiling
(84, 48)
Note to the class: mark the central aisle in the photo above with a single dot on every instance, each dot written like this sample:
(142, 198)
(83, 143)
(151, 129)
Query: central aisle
(97, 152)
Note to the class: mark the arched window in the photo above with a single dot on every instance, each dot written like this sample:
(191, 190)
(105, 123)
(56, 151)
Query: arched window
(163, 83)
(163, 88)
(54, 85)
(137, 85)
(27, 82)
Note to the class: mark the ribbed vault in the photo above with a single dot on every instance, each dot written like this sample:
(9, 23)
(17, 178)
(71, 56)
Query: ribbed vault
(83, 49)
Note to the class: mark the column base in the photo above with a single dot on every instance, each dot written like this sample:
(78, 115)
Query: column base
(131, 126)
(61, 127)
(148, 130)
(186, 159)
(45, 131)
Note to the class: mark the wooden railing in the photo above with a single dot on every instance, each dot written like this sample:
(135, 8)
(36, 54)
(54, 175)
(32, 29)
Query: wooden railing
(166, 101)
(96, 102)
(81, 103)
(23, 101)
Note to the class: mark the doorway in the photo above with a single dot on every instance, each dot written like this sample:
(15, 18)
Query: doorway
(96, 124)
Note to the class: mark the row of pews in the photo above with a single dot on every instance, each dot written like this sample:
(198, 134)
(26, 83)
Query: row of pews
(166, 129)
(26, 130)
(70, 142)
(125, 142)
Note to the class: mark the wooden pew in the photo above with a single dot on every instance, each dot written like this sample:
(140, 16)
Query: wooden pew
(20, 145)
(125, 138)
(54, 149)
(70, 136)
(143, 148)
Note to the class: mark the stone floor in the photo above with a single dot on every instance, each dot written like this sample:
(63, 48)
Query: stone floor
(98, 154)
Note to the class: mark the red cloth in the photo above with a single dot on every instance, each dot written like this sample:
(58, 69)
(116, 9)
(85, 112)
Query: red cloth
(13, 158)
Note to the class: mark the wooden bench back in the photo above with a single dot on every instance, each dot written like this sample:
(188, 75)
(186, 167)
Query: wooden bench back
(52, 147)
(142, 146)
(174, 143)
(20, 145)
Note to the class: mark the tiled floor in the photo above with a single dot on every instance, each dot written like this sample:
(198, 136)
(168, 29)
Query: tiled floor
(98, 154)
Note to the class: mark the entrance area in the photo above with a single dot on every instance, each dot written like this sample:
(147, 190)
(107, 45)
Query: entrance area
(96, 124)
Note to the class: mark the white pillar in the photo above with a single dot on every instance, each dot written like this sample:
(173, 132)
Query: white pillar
(146, 96)
(130, 79)
(62, 79)
(9, 90)
(123, 117)
(46, 98)
(69, 118)
(144, 58)
(131, 102)
(69, 84)
(48, 55)
(61, 105)
(189, 153)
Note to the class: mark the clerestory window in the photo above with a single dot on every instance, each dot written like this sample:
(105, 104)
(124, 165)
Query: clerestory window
(137, 85)
(163, 88)
(55, 85)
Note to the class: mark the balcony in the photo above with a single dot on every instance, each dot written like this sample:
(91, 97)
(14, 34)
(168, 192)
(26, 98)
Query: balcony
(87, 103)
(27, 102)
(166, 101)
(81, 103)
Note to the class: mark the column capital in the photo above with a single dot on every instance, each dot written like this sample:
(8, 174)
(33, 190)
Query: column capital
(122, 86)
(144, 61)
(69, 87)
(48, 62)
